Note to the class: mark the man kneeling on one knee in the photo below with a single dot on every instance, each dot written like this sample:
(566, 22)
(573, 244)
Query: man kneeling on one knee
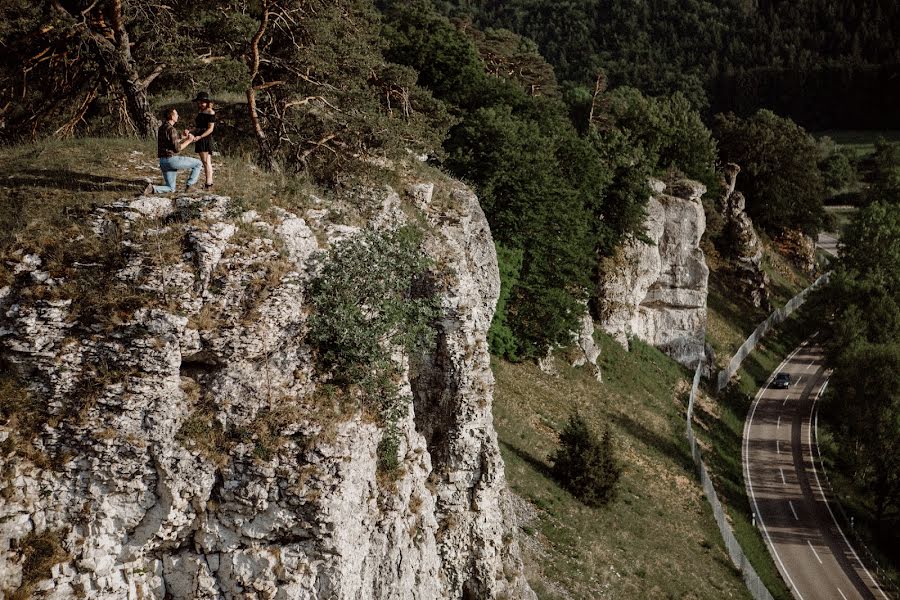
(168, 144)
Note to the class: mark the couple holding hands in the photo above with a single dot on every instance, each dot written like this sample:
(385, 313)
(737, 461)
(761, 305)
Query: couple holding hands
(169, 143)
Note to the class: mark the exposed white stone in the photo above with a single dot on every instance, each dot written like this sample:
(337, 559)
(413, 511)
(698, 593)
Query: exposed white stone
(150, 499)
(657, 291)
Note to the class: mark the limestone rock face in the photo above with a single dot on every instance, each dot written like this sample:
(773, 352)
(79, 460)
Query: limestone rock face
(187, 449)
(744, 247)
(657, 292)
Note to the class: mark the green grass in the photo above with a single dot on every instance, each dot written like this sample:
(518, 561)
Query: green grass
(731, 318)
(861, 142)
(657, 538)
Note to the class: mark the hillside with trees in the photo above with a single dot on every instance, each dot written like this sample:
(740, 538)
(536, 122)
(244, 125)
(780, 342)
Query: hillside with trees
(822, 63)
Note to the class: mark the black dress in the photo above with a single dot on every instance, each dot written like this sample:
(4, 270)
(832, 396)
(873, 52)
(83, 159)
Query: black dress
(201, 124)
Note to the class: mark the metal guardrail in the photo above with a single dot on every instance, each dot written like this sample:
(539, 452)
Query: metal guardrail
(776, 318)
(753, 582)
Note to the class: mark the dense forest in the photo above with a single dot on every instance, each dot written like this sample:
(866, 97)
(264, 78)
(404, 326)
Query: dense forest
(823, 63)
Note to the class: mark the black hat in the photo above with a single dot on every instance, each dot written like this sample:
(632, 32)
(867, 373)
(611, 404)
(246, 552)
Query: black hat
(201, 96)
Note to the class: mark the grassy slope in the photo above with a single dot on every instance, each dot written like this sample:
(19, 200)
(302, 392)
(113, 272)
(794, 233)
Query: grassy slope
(657, 539)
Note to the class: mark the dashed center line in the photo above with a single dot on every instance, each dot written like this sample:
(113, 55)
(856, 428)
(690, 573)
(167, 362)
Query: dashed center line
(783, 482)
(791, 504)
(777, 446)
(799, 379)
(779, 422)
(809, 366)
(816, 554)
(842, 594)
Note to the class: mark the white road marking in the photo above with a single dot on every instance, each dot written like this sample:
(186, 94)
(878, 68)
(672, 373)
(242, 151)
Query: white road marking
(842, 594)
(813, 411)
(783, 482)
(783, 402)
(748, 481)
(791, 504)
(777, 446)
(779, 422)
(799, 380)
(814, 551)
(809, 366)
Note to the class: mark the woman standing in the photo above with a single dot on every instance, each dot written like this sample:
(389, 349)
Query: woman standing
(203, 129)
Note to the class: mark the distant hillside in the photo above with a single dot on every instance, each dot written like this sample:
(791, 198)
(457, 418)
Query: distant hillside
(822, 63)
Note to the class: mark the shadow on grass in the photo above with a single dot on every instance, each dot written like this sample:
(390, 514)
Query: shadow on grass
(743, 315)
(67, 180)
(678, 451)
(537, 464)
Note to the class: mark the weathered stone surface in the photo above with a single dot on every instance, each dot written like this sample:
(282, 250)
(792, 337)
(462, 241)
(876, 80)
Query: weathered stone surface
(742, 244)
(292, 507)
(657, 292)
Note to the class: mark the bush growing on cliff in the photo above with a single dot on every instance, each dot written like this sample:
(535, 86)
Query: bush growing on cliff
(370, 299)
(585, 465)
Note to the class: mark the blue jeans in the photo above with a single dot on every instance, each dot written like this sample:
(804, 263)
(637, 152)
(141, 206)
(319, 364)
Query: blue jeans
(170, 167)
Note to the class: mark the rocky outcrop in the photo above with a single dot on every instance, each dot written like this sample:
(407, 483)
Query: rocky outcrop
(800, 248)
(186, 447)
(742, 244)
(657, 291)
(585, 347)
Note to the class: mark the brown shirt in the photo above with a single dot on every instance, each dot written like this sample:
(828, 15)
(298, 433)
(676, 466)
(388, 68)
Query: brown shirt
(166, 140)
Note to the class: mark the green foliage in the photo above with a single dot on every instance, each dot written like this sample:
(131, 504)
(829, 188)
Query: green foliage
(779, 169)
(838, 172)
(820, 62)
(885, 177)
(584, 465)
(861, 305)
(501, 340)
(864, 406)
(668, 130)
(446, 60)
(531, 206)
(370, 299)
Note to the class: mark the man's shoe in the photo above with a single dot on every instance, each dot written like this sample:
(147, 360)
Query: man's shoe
(147, 190)
(189, 187)
(207, 187)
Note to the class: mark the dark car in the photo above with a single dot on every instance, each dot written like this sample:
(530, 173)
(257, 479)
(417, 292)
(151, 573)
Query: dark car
(782, 381)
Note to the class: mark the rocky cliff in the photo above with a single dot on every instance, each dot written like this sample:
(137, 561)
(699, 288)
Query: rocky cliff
(656, 290)
(742, 243)
(169, 437)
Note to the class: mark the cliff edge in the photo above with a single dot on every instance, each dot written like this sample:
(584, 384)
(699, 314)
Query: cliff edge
(176, 440)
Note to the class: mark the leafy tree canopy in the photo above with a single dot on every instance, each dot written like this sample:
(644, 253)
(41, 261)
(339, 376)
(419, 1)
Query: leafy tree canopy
(779, 169)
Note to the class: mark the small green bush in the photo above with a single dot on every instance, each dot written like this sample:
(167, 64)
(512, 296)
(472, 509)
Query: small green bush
(585, 465)
(371, 298)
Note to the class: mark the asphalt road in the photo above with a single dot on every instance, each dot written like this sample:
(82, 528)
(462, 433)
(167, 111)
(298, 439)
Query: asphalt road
(785, 491)
(828, 242)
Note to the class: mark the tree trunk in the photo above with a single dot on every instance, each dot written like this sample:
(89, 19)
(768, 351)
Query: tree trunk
(265, 149)
(127, 74)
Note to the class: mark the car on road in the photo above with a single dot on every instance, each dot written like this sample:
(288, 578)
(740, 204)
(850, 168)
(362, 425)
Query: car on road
(782, 381)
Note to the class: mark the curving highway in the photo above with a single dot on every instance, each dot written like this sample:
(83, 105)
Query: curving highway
(783, 483)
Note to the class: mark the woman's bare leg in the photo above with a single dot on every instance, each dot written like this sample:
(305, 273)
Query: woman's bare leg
(206, 159)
